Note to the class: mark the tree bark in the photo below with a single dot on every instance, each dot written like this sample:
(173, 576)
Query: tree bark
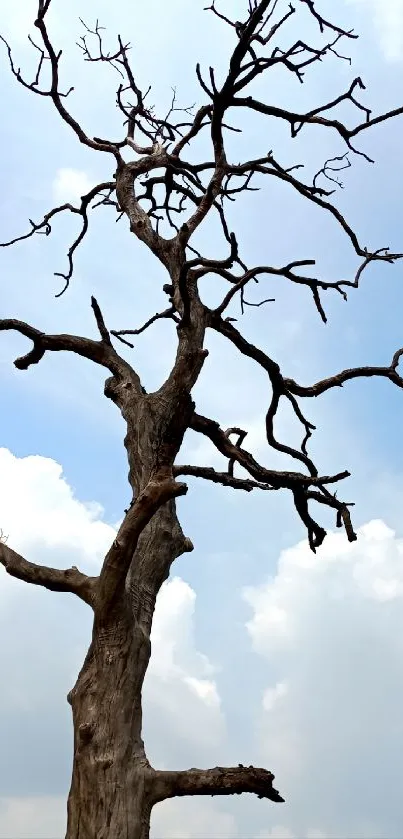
(110, 793)
(113, 786)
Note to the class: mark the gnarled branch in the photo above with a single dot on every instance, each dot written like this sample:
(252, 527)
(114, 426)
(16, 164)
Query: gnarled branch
(339, 379)
(299, 484)
(159, 490)
(71, 580)
(221, 780)
(223, 478)
(101, 352)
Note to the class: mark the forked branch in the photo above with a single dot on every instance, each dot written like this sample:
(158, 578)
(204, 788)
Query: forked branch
(47, 53)
(223, 478)
(44, 227)
(159, 490)
(101, 352)
(339, 379)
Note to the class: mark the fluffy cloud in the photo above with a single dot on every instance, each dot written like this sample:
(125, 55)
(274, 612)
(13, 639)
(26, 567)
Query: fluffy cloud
(26, 817)
(330, 627)
(191, 820)
(179, 676)
(48, 524)
(387, 18)
(70, 185)
(40, 515)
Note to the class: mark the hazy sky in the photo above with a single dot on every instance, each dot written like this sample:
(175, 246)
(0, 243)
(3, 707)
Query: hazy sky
(262, 652)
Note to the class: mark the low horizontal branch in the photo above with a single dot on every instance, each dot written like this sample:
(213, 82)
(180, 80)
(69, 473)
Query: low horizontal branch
(86, 347)
(70, 580)
(339, 379)
(221, 780)
(278, 479)
(223, 478)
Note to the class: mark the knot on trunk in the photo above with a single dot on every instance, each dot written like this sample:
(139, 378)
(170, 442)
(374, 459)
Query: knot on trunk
(86, 732)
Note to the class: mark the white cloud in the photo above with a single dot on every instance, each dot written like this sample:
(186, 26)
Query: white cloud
(39, 513)
(70, 185)
(277, 832)
(272, 695)
(179, 678)
(330, 627)
(25, 817)
(191, 819)
(387, 16)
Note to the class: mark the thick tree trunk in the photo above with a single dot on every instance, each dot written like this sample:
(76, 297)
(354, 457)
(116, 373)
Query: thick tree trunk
(113, 786)
(109, 795)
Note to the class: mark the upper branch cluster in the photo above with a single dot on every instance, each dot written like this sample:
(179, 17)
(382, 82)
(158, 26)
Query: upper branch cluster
(161, 192)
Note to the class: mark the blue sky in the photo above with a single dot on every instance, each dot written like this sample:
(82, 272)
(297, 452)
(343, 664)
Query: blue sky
(262, 652)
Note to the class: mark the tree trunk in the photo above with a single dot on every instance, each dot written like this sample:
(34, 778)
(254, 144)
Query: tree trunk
(112, 786)
(109, 795)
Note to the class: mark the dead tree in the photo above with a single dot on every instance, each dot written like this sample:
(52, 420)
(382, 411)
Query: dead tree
(113, 786)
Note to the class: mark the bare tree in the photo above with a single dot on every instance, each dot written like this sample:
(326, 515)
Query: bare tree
(158, 188)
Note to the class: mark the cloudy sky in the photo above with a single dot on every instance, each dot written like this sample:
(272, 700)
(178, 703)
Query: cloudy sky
(262, 652)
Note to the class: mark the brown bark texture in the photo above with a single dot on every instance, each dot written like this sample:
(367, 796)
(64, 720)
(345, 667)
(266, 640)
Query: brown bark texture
(113, 786)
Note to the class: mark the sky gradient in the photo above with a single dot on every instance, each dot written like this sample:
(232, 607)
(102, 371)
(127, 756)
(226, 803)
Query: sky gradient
(262, 652)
